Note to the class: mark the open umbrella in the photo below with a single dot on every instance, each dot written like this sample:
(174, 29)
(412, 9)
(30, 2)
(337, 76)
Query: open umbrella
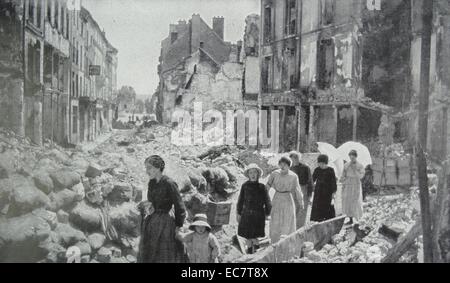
(338, 166)
(335, 159)
(364, 156)
(328, 149)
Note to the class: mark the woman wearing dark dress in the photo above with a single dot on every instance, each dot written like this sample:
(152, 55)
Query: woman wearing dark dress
(158, 238)
(253, 207)
(324, 190)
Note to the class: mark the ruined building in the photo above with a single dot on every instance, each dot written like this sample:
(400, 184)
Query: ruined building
(250, 59)
(44, 69)
(93, 91)
(340, 70)
(197, 65)
(311, 58)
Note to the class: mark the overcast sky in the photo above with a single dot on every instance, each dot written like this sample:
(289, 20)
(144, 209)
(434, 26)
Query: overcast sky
(136, 28)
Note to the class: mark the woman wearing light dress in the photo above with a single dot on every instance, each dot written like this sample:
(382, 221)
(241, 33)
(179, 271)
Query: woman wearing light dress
(287, 201)
(352, 203)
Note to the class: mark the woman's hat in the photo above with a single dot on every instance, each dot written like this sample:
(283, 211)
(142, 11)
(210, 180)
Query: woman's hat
(200, 220)
(353, 152)
(253, 166)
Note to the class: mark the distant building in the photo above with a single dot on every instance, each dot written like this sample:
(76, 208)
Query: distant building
(334, 68)
(95, 76)
(190, 54)
(50, 95)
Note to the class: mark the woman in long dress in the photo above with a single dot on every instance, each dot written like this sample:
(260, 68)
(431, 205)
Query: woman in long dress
(253, 207)
(158, 239)
(324, 190)
(352, 204)
(287, 201)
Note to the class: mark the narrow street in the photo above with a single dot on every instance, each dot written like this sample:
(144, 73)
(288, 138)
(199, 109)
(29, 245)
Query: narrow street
(117, 182)
(347, 99)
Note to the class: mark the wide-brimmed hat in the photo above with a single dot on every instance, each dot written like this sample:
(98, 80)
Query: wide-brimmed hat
(253, 166)
(200, 220)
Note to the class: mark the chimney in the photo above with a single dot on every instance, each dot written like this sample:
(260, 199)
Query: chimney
(218, 26)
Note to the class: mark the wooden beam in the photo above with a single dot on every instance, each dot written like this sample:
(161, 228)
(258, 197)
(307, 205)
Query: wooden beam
(287, 248)
(404, 243)
(421, 146)
(442, 193)
(298, 116)
(311, 126)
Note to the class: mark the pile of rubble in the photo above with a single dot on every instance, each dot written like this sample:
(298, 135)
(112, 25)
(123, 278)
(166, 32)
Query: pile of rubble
(368, 242)
(51, 200)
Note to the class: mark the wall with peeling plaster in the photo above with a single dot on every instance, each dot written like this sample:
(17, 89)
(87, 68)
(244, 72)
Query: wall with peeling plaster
(326, 124)
(439, 72)
(177, 62)
(310, 20)
(439, 81)
(252, 75)
(215, 87)
(11, 67)
(251, 35)
(250, 56)
(198, 80)
(308, 60)
(387, 54)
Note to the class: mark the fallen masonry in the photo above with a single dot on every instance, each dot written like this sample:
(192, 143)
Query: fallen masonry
(92, 203)
(316, 235)
(366, 243)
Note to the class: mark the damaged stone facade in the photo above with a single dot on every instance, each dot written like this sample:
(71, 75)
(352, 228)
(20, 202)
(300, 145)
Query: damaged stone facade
(40, 63)
(311, 67)
(93, 96)
(343, 72)
(250, 59)
(392, 60)
(11, 66)
(197, 65)
(439, 78)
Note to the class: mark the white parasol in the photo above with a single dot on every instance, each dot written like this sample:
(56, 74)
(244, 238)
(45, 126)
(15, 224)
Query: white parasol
(335, 159)
(328, 149)
(364, 156)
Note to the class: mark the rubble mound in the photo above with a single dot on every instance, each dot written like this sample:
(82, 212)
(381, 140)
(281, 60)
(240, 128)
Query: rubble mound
(366, 242)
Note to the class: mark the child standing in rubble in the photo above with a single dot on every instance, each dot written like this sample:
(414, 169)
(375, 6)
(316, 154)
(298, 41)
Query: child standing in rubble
(253, 208)
(202, 245)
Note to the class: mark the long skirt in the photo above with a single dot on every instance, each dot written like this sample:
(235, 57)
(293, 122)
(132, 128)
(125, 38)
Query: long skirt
(252, 224)
(352, 204)
(322, 209)
(158, 242)
(282, 218)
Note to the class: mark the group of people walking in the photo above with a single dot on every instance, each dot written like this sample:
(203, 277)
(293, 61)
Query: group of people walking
(164, 213)
(294, 186)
